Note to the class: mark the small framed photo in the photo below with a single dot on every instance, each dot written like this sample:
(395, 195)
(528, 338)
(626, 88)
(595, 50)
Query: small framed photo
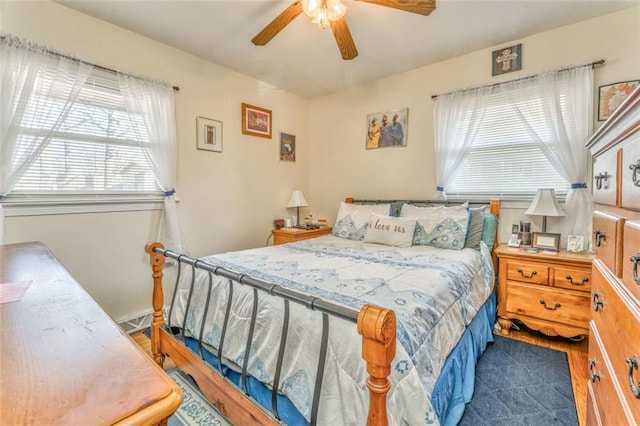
(611, 96)
(287, 147)
(545, 241)
(515, 229)
(256, 121)
(575, 243)
(209, 134)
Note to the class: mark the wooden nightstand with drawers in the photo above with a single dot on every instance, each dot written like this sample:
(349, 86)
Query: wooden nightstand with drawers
(291, 235)
(547, 292)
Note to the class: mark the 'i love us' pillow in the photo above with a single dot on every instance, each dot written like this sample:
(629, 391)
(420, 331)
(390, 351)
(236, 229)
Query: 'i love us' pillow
(391, 231)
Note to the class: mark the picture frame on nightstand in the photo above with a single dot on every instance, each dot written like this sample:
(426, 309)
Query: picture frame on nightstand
(575, 243)
(545, 241)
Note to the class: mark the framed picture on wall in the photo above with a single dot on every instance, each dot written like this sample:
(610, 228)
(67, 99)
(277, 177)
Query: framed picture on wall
(256, 121)
(387, 129)
(611, 96)
(287, 147)
(209, 134)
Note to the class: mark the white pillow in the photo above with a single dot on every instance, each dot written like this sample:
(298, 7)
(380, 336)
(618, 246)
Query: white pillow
(353, 219)
(391, 231)
(443, 227)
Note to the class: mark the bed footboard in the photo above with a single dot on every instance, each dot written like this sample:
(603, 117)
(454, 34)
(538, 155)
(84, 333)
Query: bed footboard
(376, 325)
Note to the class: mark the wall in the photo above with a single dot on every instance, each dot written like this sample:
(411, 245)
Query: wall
(227, 201)
(337, 122)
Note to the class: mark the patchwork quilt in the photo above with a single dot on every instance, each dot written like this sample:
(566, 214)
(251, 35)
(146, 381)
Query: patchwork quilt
(434, 292)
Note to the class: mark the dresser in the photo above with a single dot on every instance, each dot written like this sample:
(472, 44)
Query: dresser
(291, 235)
(613, 389)
(547, 292)
(63, 361)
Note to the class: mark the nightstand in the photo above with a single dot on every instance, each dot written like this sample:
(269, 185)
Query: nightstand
(291, 235)
(547, 292)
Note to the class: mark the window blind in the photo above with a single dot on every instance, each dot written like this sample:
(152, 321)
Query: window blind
(95, 150)
(503, 160)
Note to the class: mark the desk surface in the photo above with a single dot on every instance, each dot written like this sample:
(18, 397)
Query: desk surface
(62, 358)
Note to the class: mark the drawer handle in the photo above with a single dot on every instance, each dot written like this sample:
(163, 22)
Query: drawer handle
(599, 237)
(593, 375)
(634, 177)
(600, 178)
(633, 365)
(635, 259)
(583, 282)
(543, 303)
(521, 272)
(597, 304)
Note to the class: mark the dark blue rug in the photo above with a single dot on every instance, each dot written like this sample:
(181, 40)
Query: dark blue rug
(521, 384)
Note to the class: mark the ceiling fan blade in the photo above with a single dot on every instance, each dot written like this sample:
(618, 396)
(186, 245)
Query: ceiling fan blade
(421, 7)
(343, 38)
(275, 26)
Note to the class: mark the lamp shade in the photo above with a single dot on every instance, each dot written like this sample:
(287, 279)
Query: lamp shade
(545, 204)
(297, 200)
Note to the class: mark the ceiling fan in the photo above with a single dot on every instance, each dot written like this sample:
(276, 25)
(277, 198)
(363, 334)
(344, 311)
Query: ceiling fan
(331, 12)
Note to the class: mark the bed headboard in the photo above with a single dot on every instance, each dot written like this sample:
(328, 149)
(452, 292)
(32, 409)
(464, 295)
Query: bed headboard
(494, 204)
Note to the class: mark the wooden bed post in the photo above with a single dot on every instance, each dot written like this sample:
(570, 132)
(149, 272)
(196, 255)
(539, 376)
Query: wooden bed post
(157, 266)
(378, 329)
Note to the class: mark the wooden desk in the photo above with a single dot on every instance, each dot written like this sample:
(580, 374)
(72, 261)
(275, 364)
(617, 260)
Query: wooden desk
(62, 358)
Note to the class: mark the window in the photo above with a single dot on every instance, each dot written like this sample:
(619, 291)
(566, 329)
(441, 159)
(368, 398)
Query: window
(503, 159)
(94, 157)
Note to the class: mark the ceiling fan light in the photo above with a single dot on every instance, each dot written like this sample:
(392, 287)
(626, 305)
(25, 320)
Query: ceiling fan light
(321, 18)
(336, 9)
(311, 7)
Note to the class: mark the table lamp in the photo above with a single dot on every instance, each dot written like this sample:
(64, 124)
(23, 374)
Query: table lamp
(545, 204)
(297, 200)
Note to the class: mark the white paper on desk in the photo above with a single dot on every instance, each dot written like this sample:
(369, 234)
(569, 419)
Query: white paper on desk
(13, 292)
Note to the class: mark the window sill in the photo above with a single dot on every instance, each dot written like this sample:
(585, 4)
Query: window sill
(53, 205)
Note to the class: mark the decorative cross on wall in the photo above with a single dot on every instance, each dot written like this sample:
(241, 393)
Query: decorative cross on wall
(507, 59)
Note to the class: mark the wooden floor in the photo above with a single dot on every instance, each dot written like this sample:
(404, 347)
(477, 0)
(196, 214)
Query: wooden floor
(576, 354)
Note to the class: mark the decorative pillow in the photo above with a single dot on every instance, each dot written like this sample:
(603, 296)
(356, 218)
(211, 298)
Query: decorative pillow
(476, 223)
(396, 208)
(489, 229)
(443, 227)
(391, 231)
(353, 219)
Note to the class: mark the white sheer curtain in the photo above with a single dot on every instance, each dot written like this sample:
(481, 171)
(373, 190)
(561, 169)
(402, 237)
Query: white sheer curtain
(457, 118)
(565, 100)
(26, 98)
(153, 102)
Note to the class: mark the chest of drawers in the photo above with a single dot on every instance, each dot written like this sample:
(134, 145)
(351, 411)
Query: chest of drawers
(613, 390)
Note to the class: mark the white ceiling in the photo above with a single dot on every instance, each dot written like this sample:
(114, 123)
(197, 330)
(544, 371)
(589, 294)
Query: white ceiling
(305, 60)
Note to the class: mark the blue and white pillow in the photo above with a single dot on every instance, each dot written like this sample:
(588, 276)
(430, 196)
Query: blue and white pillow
(353, 219)
(443, 227)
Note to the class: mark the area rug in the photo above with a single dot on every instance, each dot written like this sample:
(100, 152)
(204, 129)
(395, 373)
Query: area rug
(521, 384)
(195, 409)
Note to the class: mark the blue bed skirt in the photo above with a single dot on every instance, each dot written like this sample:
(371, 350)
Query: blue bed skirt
(453, 389)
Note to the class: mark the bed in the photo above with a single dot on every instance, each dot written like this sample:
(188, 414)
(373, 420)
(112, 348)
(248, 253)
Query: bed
(291, 323)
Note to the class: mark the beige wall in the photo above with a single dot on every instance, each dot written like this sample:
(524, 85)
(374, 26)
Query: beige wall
(337, 123)
(227, 201)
